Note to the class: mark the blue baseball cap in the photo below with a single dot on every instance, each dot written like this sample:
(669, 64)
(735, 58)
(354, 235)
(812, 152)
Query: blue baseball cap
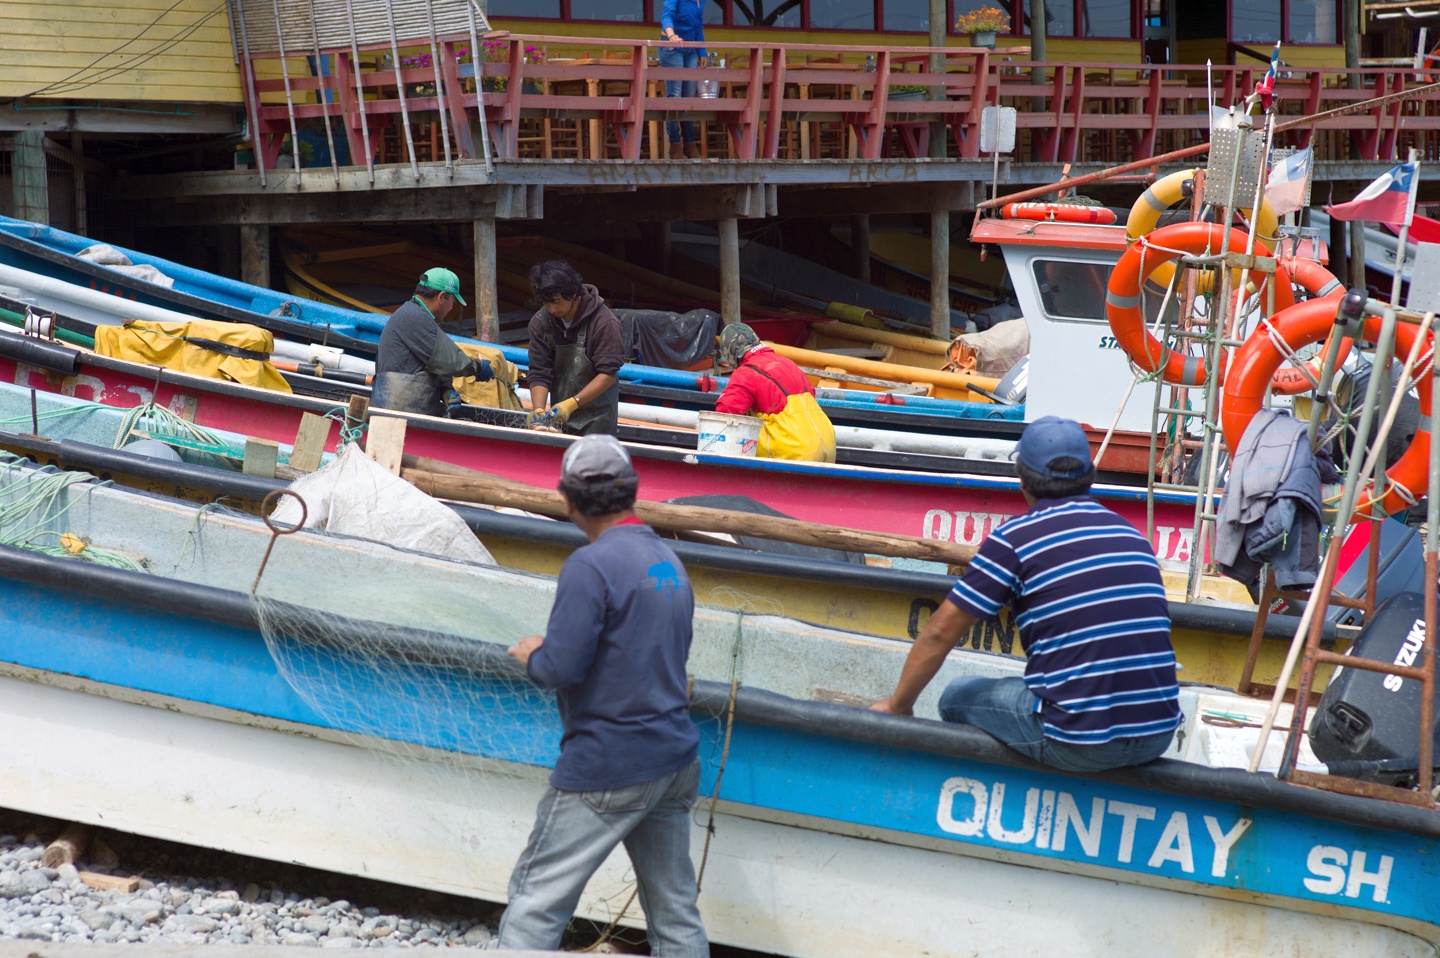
(1049, 438)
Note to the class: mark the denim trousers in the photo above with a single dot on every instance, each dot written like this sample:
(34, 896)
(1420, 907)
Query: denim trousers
(680, 57)
(1006, 709)
(576, 831)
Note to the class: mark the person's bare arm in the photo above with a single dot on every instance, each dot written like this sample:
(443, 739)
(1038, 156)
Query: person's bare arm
(946, 626)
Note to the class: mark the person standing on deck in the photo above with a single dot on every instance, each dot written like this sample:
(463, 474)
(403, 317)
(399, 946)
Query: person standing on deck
(614, 651)
(682, 20)
(776, 390)
(416, 361)
(576, 350)
(1084, 587)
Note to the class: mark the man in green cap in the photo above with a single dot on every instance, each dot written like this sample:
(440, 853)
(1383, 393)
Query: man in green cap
(416, 362)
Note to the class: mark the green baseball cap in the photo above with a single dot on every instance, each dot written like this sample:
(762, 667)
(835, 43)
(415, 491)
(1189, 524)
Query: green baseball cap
(444, 280)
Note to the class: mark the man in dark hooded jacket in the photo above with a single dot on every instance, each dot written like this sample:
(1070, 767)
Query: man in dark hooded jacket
(416, 362)
(577, 347)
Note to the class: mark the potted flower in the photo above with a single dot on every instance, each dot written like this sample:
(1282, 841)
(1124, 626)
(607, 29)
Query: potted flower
(982, 24)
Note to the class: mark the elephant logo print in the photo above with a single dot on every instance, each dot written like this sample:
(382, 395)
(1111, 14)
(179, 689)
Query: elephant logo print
(662, 576)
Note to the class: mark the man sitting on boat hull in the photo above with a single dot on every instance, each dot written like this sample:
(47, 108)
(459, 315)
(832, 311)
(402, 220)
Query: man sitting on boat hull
(416, 361)
(776, 390)
(1084, 587)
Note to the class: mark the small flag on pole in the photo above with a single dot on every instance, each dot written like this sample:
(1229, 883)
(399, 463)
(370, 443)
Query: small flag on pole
(1390, 199)
(1285, 190)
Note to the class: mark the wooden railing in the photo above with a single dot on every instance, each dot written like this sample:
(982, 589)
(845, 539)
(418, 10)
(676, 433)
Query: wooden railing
(545, 97)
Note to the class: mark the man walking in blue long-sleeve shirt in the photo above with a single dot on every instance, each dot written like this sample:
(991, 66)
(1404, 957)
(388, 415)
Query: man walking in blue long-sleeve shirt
(614, 651)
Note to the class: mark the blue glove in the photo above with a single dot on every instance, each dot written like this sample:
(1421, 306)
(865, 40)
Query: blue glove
(481, 370)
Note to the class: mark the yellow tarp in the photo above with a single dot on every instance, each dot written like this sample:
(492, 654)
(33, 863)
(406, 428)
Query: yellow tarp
(170, 345)
(498, 393)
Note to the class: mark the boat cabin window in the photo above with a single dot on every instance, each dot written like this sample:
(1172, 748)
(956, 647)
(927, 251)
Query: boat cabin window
(1070, 290)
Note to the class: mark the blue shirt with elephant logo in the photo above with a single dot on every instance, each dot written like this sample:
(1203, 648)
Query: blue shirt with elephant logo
(615, 652)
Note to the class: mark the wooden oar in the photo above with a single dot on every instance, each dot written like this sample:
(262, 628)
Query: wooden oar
(448, 481)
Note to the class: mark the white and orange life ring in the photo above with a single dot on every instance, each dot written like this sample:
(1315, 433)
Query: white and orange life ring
(1122, 296)
(1058, 212)
(1320, 283)
(1300, 325)
(1165, 193)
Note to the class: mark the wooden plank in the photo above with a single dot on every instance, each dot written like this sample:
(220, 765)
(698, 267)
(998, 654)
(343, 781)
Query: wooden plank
(109, 882)
(261, 455)
(358, 409)
(386, 441)
(310, 441)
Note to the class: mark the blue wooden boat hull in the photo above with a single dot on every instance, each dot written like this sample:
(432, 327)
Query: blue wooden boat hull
(907, 788)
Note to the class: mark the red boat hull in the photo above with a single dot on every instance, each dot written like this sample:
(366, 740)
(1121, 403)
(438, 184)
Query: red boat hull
(960, 508)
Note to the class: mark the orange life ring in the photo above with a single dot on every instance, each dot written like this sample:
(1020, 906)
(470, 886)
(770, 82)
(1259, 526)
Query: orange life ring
(1061, 212)
(1122, 296)
(1302, 324)
(1320, 283)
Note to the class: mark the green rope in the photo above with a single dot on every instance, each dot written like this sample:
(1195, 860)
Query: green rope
(163, 425)
(32, 506)
(351, 430)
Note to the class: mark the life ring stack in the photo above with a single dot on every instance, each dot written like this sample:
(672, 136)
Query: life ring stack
(1263, 364)
(1141, 261)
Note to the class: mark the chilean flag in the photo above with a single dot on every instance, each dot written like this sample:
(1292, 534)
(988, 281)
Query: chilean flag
(1390, 199)
(1285, 190)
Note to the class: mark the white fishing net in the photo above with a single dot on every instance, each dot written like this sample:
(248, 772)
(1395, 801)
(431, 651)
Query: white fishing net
(409, 656)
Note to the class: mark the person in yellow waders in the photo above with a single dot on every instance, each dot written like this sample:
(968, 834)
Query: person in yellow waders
(771, 387)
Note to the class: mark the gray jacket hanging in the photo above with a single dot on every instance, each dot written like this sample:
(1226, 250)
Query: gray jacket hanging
(1270, 510)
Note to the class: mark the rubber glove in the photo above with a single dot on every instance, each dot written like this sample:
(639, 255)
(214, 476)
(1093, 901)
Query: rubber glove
(482, 370)
(538, 416)
(561, 412)
(706, 384)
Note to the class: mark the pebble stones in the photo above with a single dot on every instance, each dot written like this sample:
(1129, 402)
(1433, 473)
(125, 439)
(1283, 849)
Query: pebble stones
(54, 905)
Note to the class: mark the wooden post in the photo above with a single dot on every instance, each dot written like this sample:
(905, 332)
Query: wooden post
(1037, 51)
(448, 481)
(77, 174)
(29, 187)
(860, 245)
(261, 457)
(255, 255)
(939, 29)
(487, 297)
(1357, 254)
(386, 442)
(310, 442)
(729, 271)
(940, 274)
(68, 848)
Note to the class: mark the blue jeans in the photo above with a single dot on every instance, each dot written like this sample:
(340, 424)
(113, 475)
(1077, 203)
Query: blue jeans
(680, 57)
(1006, 709)
(575, 832)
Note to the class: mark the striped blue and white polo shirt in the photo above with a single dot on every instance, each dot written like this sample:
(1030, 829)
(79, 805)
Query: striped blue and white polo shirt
(1085, 592)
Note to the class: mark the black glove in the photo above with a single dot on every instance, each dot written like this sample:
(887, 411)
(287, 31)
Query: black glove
(480, 369)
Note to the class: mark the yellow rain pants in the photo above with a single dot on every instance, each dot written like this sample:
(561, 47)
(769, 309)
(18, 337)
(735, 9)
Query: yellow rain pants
(799, 431)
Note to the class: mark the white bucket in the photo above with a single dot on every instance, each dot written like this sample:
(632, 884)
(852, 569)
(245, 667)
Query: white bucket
(727, 435)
